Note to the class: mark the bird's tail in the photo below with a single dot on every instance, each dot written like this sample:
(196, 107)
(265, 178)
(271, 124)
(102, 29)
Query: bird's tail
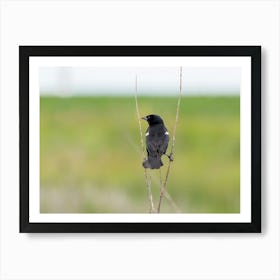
(153, 162)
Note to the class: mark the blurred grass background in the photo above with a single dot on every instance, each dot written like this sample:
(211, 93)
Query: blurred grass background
(91, 162)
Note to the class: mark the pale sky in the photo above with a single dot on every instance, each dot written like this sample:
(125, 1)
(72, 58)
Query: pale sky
(64, 81)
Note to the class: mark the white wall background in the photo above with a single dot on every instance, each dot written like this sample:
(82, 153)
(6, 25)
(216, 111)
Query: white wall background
(138, 256)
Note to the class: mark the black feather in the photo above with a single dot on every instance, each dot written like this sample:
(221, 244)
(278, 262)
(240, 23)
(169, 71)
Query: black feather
(157, 139)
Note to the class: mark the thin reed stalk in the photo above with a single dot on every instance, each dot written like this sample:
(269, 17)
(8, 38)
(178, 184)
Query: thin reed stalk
(154, 178)
(147, 177)
(164, 185)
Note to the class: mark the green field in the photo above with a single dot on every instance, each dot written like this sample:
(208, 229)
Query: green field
(91, 162)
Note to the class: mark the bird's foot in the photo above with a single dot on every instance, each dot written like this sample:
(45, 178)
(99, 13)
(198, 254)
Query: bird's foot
(171, 158)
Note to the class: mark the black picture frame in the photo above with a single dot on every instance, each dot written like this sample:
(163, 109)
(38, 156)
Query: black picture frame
(254, 52)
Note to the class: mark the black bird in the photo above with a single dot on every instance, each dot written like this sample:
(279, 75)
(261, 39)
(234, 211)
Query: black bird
(157, 138)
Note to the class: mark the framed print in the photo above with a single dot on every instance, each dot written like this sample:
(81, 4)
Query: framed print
(140, 138)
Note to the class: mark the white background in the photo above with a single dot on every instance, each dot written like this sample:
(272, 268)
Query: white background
(138, 256)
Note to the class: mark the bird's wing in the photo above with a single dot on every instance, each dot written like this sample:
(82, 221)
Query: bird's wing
(152, 147)
(157, 145)
(164, 144)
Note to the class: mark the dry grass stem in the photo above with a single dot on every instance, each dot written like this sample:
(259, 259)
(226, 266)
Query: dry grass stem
(154, 178)
(148, 180)
(163, 187)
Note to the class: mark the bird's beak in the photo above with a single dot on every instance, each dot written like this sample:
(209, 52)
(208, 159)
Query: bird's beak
(144, 118)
